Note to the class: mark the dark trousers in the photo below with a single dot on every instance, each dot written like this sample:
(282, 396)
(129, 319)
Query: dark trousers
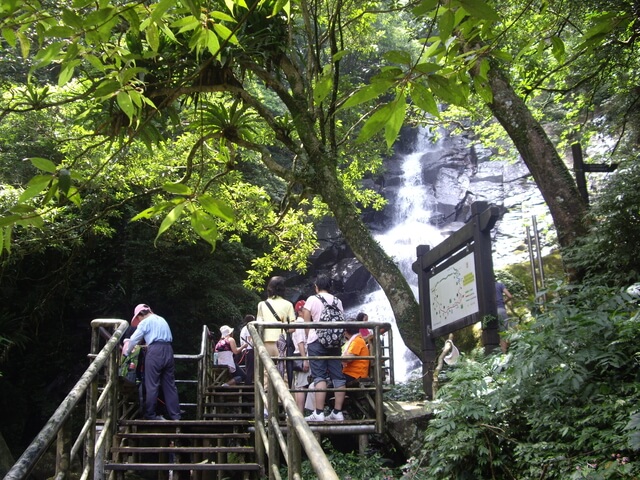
(159, 373)
(248, 363)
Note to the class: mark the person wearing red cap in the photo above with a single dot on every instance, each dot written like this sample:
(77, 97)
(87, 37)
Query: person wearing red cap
(159, 362)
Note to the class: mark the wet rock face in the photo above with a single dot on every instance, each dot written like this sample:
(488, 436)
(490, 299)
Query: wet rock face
(455, 173)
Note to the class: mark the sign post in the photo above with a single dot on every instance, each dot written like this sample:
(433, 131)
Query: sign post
(457, 287)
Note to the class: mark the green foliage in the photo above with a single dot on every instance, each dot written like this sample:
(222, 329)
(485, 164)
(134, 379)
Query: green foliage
(351, 465)
(610, 254)
(410, 391)
(562, 403)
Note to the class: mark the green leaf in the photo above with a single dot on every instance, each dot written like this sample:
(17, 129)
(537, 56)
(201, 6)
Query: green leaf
(67, 72)
(52, 192)
(9, 219)
(170, 219)
(424, 7)
(427, 67)
(224, 33)
(107, 88)
(98, 17)
(282, 5)
(367, 93)
(603, 25)
(480, 9)
(153, 37)
(445, 24)
(398, 56)
(36, 221)
(177, 188)
(222, 16)
(338, 56)
(205, 226)
(9, 36)
(213, 45)
(557, 48)
(60, 32)
(43, 164)
(71, 18)
(393, 125)
(375, 122)
(423, 98)
(483, 89)
(36, 185)
(45, 57)
(74, 195)
(323, 87)
(160, 9)
(125, 103)
(447, 89)
(25, 44)
(217, 207)
(186, 23)
(153, 211)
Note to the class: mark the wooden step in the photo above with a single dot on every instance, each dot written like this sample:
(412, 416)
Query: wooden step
(229, 404)
(221, 415)
(183, 466)
(180, 426)
(212, 449)
(180, 435)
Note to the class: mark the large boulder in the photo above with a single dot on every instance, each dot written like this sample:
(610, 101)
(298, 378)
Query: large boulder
(405, 425)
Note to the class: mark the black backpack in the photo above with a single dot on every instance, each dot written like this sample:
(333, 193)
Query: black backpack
(330, 337)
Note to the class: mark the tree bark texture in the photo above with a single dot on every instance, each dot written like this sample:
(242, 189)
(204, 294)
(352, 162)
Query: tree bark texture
(550, 173)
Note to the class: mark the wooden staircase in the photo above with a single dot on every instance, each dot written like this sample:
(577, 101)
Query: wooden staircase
(219, 446)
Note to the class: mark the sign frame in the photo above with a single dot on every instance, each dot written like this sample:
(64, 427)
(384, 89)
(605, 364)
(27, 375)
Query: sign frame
(474, 238)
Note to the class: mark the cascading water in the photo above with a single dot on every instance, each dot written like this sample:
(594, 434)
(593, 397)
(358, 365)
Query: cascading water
(410, 227)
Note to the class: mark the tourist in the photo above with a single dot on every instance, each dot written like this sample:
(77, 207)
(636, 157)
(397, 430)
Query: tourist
(159, 367)
(226, 348)
(354, 367)
(503, 317)
(274, 309)
(321, 370)
(300, 377)
(245, 339)
(364, 332)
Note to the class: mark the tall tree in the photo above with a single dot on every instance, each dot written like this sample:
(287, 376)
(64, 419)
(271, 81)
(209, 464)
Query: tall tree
(275, 64)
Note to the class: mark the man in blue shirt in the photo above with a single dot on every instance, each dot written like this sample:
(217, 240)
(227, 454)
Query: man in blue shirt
(159, 365)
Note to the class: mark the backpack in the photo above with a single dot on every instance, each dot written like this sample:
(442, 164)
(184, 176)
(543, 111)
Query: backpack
(132, 366)
(330, 337)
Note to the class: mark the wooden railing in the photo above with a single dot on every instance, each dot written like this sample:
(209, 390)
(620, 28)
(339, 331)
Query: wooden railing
(272, 441)
(105, 404)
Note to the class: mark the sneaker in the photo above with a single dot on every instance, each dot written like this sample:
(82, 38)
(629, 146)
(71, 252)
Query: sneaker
(315, 417)
(335, 416)
(157, 417)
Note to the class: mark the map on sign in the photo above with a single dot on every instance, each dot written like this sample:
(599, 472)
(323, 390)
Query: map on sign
(453, 293)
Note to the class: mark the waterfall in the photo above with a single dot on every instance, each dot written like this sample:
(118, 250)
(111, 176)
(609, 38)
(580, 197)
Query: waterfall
(410, 227)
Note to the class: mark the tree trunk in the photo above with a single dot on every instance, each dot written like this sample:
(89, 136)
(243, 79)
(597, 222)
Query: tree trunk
(552, 176)
(374, 258)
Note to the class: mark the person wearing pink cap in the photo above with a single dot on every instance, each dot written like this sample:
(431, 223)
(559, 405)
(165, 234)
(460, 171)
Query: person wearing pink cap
(159, 367)
(300, 377)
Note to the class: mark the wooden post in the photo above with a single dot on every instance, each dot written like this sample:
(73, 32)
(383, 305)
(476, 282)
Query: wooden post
(578, 169)
(484, 271)
(428, 343)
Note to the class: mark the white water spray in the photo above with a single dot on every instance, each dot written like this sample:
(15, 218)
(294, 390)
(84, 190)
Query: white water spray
(411, 227)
